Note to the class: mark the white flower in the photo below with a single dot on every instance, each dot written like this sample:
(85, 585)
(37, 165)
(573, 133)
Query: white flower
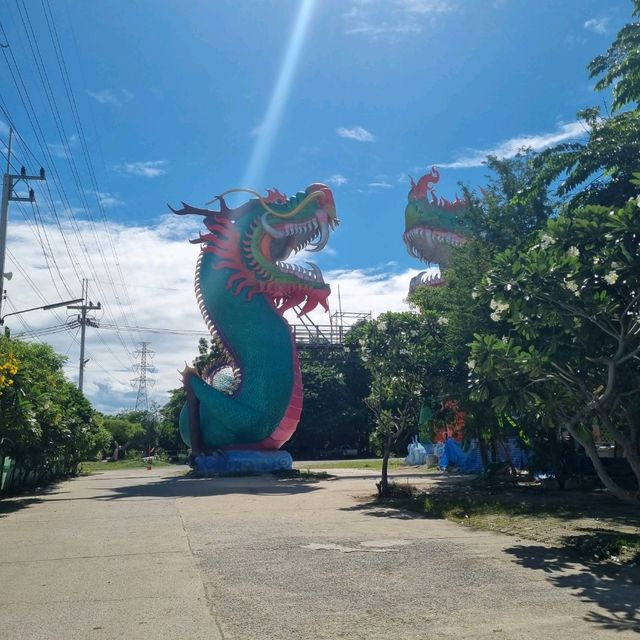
(546, 240)
(573, 252)
(611, 277)
(570, 285)
(471, 364)
(443, 321)
(498, 307)
(382, 325)
(474, 294)
(495, 316)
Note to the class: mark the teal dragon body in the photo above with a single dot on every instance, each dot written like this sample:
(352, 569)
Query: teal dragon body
(251, 398)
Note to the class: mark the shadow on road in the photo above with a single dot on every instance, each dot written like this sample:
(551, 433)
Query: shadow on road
(374, 509)
(8, 506)
(184, 487)
(614, 588)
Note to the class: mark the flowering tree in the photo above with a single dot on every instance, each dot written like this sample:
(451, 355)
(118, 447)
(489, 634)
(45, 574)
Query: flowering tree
(43, 417)
(571, 302)
(403, 352)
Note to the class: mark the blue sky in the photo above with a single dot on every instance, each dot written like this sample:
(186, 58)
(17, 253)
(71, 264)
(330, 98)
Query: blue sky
(172, 98)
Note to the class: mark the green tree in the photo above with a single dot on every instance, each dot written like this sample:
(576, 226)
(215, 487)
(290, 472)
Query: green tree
(44, 419)
(334, 415)
(168, 426)
(599, 170)
(124, 432)
(513, 205)
(403, 353)
(571, 345)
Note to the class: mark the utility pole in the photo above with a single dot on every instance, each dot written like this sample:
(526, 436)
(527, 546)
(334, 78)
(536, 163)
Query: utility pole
(84, 321)
(9, 183)
(142, 400)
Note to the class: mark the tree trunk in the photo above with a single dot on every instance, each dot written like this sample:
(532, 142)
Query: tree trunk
(383, 485)
(628, 446)
(494, 448)
(484, 454)
(558, 465)
(611, 486)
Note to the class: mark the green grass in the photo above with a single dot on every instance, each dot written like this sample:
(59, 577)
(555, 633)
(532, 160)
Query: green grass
(587, 526)
(92, 466)
(372, 463)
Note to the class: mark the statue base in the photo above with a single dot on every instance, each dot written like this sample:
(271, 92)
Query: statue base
(238, 461)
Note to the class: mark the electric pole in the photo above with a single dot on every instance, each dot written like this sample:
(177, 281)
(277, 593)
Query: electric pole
(142, 400)
(84, 321)
(9, 183)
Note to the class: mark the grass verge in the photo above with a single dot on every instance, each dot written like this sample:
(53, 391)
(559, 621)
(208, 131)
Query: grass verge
(91, 466)
(590, 526)
(374, 464)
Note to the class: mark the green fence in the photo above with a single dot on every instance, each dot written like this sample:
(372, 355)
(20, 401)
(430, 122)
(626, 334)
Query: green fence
(16, 476)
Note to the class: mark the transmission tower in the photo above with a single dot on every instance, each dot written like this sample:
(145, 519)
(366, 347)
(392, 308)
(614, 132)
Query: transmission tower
(141, 381)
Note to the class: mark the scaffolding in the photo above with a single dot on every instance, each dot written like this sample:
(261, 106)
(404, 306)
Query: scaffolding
(309, 335)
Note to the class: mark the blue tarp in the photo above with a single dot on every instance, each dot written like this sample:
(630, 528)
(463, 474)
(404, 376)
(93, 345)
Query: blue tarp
(471, 461)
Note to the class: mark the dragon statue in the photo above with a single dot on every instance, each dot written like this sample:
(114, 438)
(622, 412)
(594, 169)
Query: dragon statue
(249, 401)
(432, 226)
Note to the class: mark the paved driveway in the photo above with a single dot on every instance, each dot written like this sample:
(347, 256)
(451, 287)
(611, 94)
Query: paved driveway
(147, 554)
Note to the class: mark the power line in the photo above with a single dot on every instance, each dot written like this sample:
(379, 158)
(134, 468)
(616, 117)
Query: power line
(53, 32)
(64, 140)
(28, 106)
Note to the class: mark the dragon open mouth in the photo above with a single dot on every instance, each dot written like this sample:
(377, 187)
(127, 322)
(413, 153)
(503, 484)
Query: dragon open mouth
(255, 240)
(424, 278)
(431, 245)
(287, 239)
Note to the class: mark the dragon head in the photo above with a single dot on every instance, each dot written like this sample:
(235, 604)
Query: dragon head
(255, 240)
(432, 226)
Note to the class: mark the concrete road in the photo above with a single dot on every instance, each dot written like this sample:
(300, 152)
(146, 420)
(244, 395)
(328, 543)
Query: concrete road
(147, 554)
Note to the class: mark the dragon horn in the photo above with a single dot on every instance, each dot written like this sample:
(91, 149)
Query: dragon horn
(187, 209)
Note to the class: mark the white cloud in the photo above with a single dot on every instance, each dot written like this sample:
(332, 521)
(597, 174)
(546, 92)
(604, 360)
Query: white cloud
(380, 185)
(256, 131)
(597, 25)
(337, 179)
(146, 169)
(396, 20)
(360, 134)
(4, 128)
(509, 148)
(367, 290)
(60, 150)
(107, 199)
(145, 256)
(157, 264)
(113, 97)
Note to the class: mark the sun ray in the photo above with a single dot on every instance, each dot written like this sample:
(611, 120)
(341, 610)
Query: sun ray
(278, 101)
